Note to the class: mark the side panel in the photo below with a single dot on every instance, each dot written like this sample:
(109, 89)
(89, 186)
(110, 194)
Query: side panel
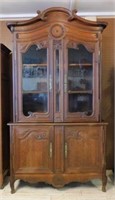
(5, 110)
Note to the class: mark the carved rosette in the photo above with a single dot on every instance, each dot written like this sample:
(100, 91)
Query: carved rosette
(57, 31)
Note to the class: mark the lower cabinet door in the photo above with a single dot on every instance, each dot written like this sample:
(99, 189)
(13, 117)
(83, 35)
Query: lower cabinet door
(84, 149)
(32, 149)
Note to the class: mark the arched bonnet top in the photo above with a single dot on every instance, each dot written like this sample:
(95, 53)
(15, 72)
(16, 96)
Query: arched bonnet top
(62, 13)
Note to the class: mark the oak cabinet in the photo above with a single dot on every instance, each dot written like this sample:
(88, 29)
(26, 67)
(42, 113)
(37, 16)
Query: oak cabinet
(57, 134)
(5, 108)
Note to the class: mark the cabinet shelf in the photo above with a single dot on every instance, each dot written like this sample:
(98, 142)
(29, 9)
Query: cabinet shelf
(36, 65)
(79, 64)
(35, 92)
(80, 92)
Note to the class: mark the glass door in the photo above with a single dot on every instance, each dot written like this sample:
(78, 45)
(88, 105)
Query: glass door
(79, 84)
(36, 84)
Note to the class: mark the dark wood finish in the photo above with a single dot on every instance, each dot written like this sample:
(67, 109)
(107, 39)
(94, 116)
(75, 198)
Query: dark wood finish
(64, 146)
(5, 67)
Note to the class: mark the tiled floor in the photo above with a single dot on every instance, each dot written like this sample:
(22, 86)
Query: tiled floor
(73, 191)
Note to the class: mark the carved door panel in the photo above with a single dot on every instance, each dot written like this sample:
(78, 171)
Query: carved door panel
(32, 149)
(83, 149)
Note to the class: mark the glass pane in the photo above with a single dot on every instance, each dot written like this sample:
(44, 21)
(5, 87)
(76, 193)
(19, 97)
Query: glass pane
(57, 81)
(34, 80)
(80, 78)
(80, 83)
(80, 103)
(34, 103)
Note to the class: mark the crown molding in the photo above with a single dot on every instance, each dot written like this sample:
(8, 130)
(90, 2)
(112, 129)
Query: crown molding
(31, 15)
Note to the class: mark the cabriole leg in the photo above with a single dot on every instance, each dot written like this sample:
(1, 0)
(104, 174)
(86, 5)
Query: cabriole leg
(104, 182)
(12, 186)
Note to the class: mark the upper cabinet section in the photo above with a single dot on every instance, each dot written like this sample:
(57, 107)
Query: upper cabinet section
(56, 68)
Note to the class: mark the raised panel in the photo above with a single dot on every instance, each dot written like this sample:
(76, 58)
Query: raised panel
(32, 149)
(84, 149)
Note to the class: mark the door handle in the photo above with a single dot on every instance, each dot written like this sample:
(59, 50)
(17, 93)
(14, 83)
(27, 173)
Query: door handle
(66, 150)
(50, 150)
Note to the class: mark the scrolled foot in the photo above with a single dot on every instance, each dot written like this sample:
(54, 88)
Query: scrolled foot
(104, 182)
(12, 187)
(103, 188)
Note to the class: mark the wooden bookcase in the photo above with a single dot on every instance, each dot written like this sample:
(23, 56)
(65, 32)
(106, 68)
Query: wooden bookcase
(57, 134)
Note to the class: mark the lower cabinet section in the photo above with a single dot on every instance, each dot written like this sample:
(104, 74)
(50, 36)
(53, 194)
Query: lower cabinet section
(57, 153)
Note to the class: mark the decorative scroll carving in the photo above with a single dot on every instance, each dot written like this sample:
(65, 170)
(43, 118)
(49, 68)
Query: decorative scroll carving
(40, 45)
(39, 136)
(24, 134)
(72, 15)
(75, 135)
(81, 134)
(32, 115)
(57, 44)
(41, 15)
(89, 46)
